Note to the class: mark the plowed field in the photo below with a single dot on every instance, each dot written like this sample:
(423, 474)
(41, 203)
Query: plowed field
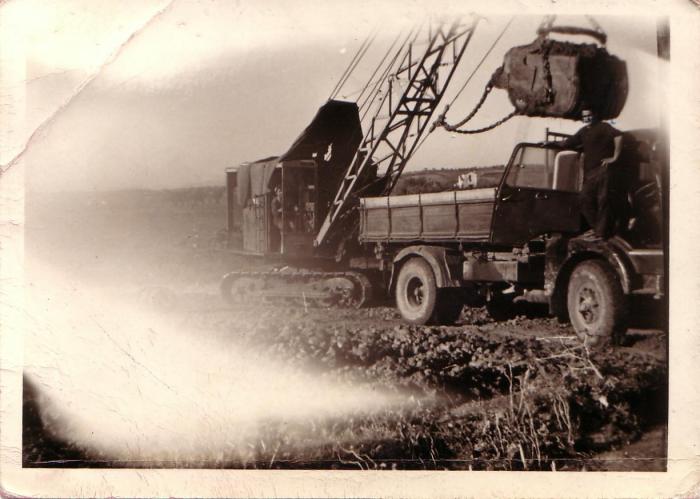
(521, 394)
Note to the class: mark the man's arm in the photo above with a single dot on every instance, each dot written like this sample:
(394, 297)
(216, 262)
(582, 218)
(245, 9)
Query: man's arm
(573, 142)
(616, 153)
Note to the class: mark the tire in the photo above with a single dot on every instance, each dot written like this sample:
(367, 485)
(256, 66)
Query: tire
(450, 303)
(416, 292)
(596, 303)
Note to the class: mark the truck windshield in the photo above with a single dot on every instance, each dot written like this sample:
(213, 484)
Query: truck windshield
(541, 168)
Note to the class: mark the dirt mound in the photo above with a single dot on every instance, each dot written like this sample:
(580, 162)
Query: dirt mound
(485, 398)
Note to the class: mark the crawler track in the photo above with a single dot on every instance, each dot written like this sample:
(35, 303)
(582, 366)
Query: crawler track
(297, 287)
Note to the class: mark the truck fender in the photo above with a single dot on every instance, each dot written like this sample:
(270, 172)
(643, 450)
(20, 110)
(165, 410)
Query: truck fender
(580, 251)
(436, 258)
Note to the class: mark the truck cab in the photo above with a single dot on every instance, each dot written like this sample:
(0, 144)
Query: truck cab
(538, 194)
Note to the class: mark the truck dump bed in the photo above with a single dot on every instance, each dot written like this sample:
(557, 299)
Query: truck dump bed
(452, 215)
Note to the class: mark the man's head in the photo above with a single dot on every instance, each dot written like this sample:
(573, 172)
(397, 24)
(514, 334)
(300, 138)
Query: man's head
(587, 116)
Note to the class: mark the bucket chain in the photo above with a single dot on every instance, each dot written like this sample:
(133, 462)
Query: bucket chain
(548, 99)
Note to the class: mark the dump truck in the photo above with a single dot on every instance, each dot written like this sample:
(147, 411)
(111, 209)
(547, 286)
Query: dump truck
(522, 241)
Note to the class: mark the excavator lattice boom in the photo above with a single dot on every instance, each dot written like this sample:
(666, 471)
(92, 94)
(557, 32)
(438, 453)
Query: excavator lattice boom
(398, 124)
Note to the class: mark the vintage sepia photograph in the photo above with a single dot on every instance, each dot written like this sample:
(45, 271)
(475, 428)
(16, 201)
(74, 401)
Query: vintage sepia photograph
(337, 237)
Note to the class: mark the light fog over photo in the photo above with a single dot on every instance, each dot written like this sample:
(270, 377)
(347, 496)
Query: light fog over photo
(338, 236)
(190, 89)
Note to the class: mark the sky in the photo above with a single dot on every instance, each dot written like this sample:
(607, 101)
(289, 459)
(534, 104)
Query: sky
(168, 94)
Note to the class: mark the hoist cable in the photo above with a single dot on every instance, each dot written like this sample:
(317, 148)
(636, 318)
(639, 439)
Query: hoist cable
(488, 52)
(346, 71)
(595, 24)
(597, 27)
(348, 68)
(356, 60)
(546, 24)
(381, 63)
(440, 120)
(371, 97)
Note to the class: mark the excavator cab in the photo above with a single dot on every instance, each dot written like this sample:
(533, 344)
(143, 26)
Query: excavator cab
(296, 220)
(275, 204)
(272, 207)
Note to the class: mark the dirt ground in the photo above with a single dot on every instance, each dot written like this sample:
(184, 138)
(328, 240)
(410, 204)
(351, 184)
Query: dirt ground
(520, 394)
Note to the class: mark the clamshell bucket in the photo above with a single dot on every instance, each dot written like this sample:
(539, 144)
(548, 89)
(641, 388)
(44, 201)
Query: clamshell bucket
(553, 78)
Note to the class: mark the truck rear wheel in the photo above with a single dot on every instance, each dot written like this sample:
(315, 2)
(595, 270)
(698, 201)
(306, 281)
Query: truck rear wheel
(596, 303)
(416, 292)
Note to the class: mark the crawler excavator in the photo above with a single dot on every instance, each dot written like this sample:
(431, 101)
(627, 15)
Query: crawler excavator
(315, 186)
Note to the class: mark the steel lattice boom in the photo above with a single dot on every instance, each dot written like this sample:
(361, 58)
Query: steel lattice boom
(398, 124)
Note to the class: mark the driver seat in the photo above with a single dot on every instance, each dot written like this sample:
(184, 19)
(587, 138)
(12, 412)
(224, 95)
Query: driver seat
(567, 171)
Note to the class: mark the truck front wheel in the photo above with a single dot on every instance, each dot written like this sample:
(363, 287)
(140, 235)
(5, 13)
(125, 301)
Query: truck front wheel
(416, 291)
(596, 303)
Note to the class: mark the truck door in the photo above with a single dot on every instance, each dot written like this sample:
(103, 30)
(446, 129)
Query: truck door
(538, 194)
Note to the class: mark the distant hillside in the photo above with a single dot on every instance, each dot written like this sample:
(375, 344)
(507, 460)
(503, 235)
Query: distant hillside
(445, 179)
(428, 180)
(184, 197)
